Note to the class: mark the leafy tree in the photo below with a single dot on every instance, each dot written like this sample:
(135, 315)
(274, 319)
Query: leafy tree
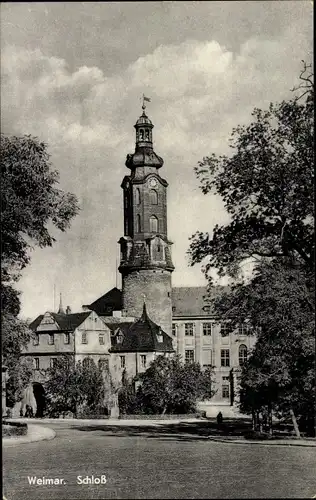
(267, 185)
(17, 335)
(173, 387)
(30, 203)
(30, 200)
(74, 387)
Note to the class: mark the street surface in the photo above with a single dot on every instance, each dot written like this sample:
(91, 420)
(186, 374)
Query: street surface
(154, 462)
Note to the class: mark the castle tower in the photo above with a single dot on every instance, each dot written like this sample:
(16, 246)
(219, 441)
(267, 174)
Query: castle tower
(146, 264)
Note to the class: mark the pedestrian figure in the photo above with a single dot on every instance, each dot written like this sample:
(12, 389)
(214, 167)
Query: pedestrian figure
(219, 418)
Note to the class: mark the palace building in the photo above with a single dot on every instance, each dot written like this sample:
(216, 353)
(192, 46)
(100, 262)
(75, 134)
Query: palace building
(125, 329)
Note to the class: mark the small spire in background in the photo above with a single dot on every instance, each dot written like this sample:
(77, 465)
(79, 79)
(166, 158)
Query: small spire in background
(60, 310)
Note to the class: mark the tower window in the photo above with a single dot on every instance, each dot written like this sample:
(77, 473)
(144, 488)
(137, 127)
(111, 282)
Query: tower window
(147, 135)
(153, 196)
(138, 224)
(141, 134)
(153, 224)
(137, 196)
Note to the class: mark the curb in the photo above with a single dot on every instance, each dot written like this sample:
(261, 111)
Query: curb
(35, 433)
(264, 443)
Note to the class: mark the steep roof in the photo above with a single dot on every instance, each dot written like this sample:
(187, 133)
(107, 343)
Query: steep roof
(186, 301)
(68, 322)
(194, 300)
(140, 336)
(109, 302)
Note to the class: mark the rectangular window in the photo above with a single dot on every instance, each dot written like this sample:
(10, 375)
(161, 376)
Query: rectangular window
(189, 356)
(51, 339)
(226, 329)
(84, 339)
(36, 339)
(189, 329)
(103, 364)
(53, 362)
(225, 357)
(207, 328)
(122, 359)
(225, 378)
(174, 329)
(66, 338)
(225, 391)
(101, 338)
(36, 363)
(244, 329)
(143, 360)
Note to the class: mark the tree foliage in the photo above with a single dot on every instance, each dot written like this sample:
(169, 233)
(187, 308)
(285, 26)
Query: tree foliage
(267, 186)
(31, 203)
(15, 336)
(169, 386)
(74, 387)
(30, 200)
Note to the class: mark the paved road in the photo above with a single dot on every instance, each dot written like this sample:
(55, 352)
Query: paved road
(155, 463)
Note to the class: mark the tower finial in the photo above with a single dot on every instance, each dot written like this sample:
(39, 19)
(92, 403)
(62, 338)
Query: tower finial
(60, 310)
(145, 99)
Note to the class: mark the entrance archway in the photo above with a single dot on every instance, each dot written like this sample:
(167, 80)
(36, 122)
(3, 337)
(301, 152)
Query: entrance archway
(40, 398)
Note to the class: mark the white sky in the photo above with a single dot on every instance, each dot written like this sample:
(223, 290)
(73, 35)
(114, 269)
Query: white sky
(73, 73)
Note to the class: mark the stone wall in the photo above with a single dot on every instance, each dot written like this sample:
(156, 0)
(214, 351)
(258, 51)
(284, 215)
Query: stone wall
(153, 286)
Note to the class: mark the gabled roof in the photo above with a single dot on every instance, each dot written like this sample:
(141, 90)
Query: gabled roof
(140, 336)
(66, 322)
(109, 302)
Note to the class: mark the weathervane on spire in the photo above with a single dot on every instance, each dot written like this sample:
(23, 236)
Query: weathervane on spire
(145, 99)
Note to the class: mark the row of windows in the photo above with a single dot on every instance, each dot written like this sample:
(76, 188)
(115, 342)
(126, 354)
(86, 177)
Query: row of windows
(143, 361)
(225, 356)
(103, 364)
(153, 224)
(225, 329)
(84, 338)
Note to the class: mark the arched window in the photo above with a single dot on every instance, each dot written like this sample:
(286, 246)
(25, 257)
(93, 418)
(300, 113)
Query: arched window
(242, 354)
(147, 135)
(141, 134)
(138, 224)
(153, 224)
(137, 196)
(153, 196)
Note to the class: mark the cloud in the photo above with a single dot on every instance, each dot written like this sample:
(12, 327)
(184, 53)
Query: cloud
(199, 90)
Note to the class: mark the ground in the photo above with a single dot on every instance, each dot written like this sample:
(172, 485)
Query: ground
(155, 462)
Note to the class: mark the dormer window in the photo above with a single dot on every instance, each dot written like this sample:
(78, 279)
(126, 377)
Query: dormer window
(159, 337)
(119, 337)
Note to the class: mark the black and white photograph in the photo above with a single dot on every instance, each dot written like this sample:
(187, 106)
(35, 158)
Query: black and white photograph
(158, 250)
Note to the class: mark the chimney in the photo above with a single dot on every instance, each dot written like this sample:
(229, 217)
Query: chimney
(68, 310)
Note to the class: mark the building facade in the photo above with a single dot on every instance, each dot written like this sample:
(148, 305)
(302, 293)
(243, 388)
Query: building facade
(124, 330)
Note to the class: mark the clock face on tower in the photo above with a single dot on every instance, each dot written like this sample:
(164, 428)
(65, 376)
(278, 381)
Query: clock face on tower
(153, 183)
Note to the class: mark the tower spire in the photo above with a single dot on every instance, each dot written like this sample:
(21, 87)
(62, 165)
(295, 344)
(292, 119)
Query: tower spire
(61, 309)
